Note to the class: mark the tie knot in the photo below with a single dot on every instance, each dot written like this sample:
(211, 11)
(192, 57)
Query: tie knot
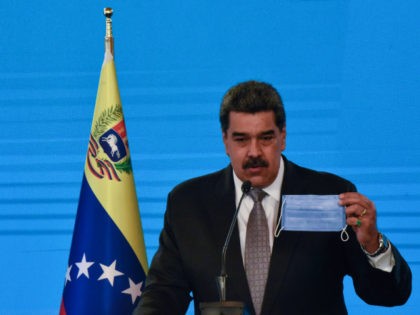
(257, 194)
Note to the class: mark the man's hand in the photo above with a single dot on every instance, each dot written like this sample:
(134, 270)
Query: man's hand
(361, 216)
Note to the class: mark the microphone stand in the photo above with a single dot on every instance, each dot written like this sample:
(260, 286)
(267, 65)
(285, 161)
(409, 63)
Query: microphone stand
(224, 307)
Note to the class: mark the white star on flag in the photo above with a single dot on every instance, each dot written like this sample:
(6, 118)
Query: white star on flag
(83, 267)
(68, 278)
(109, 272)
(133, 290)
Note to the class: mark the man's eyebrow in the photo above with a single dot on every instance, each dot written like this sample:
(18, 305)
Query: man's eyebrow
(243, 134)
(267, 133)
(238, 134)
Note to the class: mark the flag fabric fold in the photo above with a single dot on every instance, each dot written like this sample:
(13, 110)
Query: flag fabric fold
(107, 263)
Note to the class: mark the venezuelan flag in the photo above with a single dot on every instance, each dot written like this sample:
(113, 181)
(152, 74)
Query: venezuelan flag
(107, 263)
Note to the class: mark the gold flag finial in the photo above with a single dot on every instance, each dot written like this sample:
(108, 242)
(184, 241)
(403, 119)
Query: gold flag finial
(109, 40)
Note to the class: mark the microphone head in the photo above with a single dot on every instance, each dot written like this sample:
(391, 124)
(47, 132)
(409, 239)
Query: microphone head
(246, 186)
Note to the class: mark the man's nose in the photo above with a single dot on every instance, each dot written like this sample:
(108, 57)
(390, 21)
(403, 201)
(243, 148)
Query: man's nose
(254, 148)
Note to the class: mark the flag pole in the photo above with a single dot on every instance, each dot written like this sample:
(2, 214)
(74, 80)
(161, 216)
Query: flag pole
(109, 39)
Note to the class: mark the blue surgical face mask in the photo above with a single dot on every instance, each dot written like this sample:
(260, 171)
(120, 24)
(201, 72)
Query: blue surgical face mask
(312, 213)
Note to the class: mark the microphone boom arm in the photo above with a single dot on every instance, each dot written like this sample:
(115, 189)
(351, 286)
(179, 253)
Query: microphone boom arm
(221, 280)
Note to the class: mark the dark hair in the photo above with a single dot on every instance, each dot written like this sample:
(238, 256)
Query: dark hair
(252, 97)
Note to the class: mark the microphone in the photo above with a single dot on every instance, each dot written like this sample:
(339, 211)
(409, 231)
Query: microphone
(221, 280)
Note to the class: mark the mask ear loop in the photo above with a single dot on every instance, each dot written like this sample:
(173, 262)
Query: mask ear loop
(278, 229)
(344, 235)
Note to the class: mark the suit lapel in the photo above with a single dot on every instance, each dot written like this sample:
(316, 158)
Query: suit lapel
(283, 248)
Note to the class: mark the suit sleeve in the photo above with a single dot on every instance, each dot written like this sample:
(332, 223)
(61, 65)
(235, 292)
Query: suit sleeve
(373, 285)
(167, 290)
(378, 287)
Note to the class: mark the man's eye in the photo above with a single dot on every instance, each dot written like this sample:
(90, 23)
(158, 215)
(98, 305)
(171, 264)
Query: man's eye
(240, 139)
(267, 137)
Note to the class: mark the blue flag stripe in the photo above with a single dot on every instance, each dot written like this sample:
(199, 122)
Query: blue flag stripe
(98, 238)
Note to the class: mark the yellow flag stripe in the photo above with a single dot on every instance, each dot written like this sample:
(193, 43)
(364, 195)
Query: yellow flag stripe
(118, 197)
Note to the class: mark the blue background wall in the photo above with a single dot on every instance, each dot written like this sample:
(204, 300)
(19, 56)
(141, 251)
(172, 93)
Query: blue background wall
(348, 72)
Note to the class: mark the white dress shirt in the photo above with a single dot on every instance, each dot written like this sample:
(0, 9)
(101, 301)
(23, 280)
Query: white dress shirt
(270, 204)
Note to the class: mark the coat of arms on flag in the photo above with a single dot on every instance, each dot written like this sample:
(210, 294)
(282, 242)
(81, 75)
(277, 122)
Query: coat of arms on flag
(108, 145)
(113, 142)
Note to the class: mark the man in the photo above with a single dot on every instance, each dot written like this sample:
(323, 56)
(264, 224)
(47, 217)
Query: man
(306, 269)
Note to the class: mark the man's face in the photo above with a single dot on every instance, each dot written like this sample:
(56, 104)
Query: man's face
(254, 144)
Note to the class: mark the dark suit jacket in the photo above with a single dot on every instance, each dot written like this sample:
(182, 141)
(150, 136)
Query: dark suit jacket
(306, 269)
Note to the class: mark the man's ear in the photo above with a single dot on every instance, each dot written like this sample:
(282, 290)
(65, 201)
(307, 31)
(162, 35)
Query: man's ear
(283, 138)
(224, 138)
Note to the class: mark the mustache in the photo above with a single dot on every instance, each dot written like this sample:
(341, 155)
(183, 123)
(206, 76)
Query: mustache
(254, 162)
